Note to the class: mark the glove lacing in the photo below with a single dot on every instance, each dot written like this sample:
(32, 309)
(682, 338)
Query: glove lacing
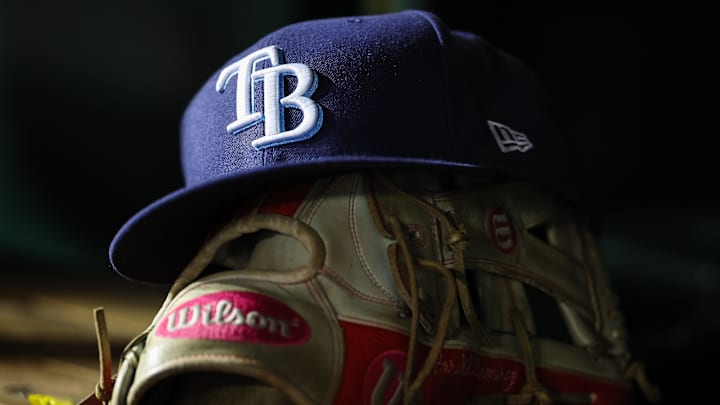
(456, 286)
(533, 392)
(410, 388)
(104, 387)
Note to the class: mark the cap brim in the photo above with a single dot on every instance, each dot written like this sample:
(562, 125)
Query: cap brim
(156, 244)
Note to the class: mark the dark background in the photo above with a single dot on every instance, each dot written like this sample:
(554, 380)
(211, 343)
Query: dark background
(91, 94)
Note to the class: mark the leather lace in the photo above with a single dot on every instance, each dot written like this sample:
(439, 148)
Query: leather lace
(456, 286)
(103, 389)
(533, 392)
(411, 386)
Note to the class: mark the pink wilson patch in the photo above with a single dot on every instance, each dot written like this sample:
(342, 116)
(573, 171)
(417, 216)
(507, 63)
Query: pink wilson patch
(237, 316)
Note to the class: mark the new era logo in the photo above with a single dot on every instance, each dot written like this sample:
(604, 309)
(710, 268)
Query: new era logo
(508, 139)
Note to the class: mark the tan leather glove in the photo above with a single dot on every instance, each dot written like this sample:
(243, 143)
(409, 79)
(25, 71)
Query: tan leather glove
(390, 289)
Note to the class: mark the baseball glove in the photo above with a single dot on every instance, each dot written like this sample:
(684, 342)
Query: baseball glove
(388, 289)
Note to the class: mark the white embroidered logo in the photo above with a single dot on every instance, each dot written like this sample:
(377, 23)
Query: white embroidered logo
(508, 139)
(275, 100)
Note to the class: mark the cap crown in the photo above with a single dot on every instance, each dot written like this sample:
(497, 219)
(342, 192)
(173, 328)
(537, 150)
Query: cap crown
(387, 88)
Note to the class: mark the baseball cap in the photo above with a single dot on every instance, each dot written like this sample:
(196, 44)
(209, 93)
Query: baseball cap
(395, 91)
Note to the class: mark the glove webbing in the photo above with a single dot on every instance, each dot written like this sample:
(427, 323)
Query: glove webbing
(457, 241)
(410, 389)
(533, 392)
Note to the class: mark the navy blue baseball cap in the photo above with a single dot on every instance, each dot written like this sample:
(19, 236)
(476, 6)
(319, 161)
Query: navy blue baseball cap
(397, 91)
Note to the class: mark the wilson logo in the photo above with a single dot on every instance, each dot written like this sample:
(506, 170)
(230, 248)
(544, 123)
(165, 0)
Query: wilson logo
(235, 316)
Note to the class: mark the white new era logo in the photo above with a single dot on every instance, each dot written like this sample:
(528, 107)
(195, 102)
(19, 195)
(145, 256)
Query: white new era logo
(508, 139)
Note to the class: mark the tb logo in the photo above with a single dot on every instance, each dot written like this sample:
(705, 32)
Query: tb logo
(275, 101)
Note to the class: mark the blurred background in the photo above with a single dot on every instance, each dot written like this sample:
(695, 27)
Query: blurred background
(91, 94)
